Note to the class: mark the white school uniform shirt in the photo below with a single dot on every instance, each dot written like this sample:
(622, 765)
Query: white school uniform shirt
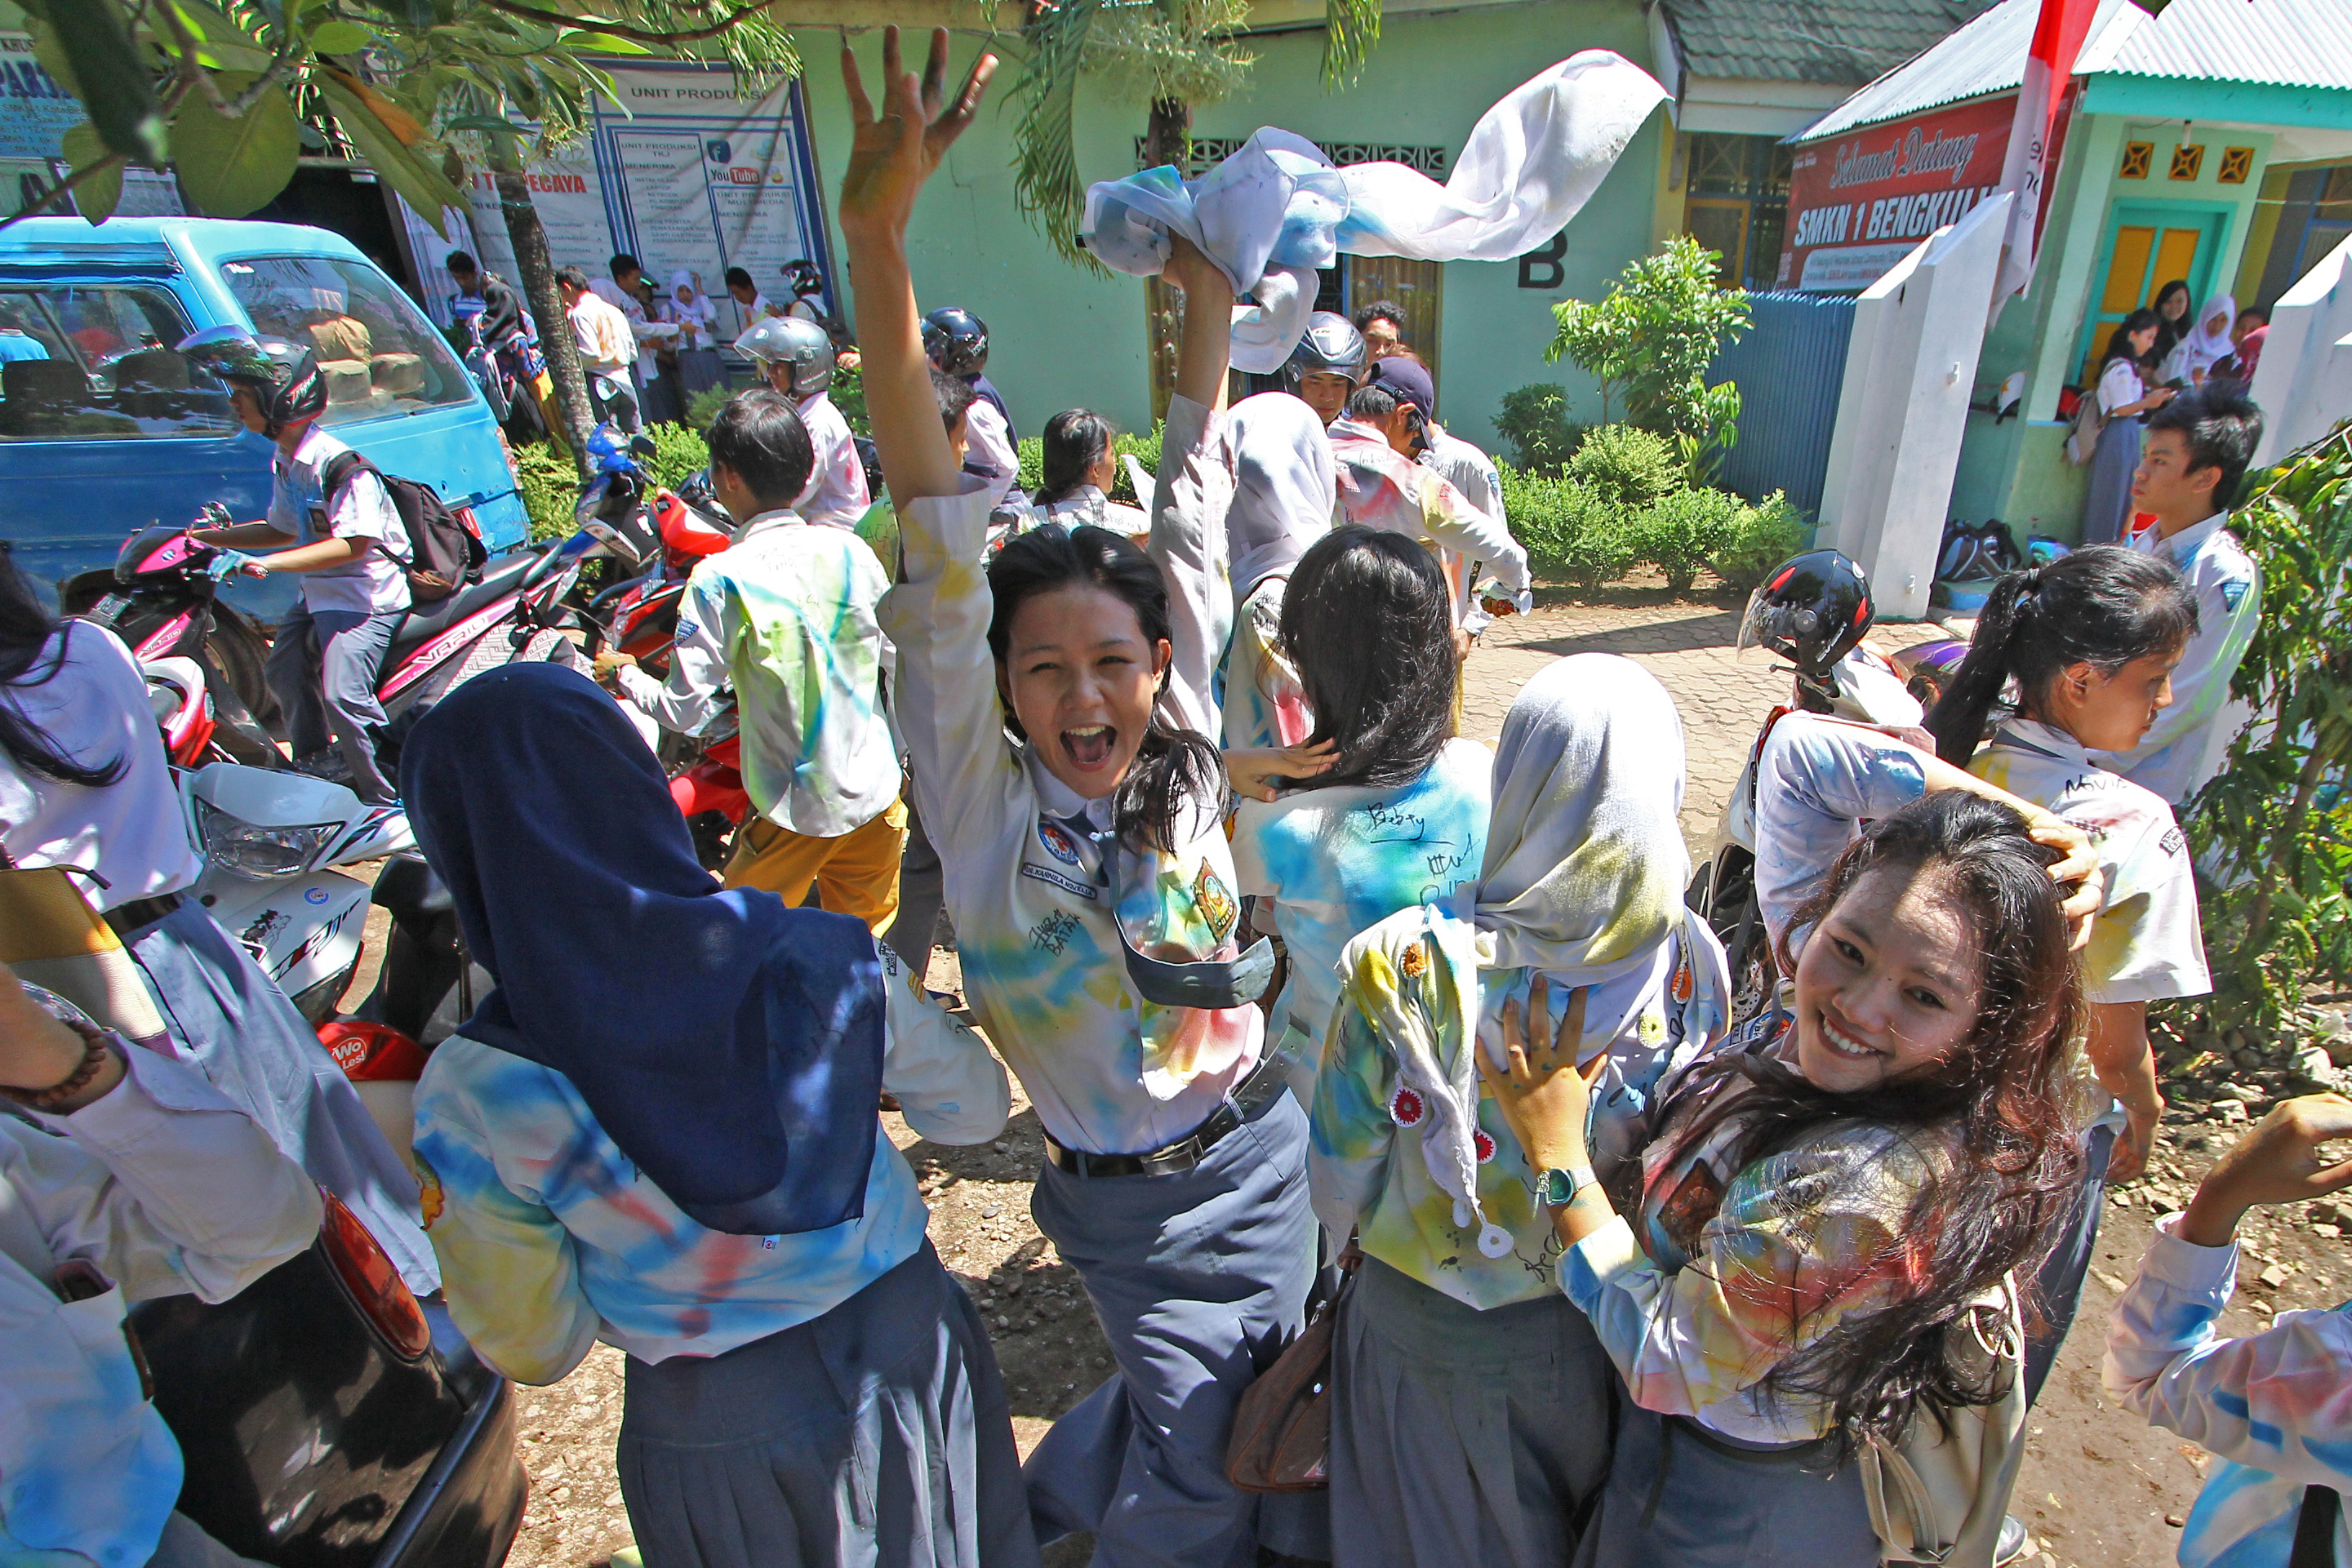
(786, 615)
(551, 1239)
(1109, 1071)
(165, 1189)
(1816, 781)
(94, 709)
(374, 584)
(987, 448)
(2270, 1407)
(1472, 472)
(2146, 944)
(2120, 383)
(837, 494)
(2191, 739)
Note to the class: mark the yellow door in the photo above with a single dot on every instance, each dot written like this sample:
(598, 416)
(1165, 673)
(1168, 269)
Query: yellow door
(2143, 258)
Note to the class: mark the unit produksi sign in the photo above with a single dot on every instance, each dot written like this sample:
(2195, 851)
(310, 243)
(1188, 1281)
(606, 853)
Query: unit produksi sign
(681, 174)
(1860, 202)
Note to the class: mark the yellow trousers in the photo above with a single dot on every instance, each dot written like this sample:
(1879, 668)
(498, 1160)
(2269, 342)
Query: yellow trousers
(858, 873)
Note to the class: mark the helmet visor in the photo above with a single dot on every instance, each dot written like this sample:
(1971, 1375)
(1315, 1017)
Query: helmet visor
(233, 354)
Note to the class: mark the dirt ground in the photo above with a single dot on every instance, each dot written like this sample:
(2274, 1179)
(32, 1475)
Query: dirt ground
(2098, 1487)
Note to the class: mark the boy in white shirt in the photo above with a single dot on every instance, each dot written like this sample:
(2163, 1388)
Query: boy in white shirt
(607, 349)
(349, 546)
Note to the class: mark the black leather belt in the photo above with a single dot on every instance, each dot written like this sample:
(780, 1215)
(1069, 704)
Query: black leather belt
(1244, 1100)
(140, 913)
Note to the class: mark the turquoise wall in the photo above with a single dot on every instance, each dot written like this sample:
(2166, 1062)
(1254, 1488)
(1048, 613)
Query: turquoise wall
(1062, 336)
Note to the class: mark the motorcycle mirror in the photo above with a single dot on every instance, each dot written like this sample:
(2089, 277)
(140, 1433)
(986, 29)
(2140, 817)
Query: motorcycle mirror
(643, 447)
(615, 542)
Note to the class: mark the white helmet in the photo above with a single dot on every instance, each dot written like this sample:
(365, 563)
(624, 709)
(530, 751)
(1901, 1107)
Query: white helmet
(799, 344)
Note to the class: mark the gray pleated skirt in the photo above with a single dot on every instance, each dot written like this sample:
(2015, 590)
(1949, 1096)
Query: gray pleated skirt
(1679, 1497)
(1200, 1278)
(876, 1434)
(2108, 509)
(225, 1016)
(1463, 1439)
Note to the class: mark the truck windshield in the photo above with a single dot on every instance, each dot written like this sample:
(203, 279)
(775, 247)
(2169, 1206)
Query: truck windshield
(378, 353)
(92, 362)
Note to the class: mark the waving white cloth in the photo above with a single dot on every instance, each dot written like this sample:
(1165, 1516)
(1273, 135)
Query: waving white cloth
(1585, 862)
(1414, 978)
(1276, 210)
(1283, 487)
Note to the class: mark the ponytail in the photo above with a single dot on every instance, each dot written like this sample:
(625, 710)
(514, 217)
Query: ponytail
(2101, 605)
(1075, 441)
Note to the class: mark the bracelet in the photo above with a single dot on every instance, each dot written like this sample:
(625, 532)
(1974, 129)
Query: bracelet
(93, 1060)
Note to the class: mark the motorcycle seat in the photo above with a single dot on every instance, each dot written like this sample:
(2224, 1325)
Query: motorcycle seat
(500, 578)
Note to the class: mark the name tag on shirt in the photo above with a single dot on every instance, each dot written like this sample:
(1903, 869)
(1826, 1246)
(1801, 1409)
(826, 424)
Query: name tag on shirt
(1067, 884)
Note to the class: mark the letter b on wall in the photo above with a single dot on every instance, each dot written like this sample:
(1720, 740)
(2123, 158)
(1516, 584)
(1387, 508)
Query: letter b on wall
(1541, 269)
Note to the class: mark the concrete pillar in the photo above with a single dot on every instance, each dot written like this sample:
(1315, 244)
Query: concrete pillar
(2304, 381)
(1909, 369)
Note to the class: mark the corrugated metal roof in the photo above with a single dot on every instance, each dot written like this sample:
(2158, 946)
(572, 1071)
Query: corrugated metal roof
(1841, 42)
(2284, 43)
(2276, 43)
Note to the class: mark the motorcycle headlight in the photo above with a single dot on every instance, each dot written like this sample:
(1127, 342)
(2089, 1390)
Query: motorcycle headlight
(250, 849)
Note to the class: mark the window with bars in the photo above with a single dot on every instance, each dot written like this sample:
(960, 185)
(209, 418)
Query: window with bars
(1736, 201)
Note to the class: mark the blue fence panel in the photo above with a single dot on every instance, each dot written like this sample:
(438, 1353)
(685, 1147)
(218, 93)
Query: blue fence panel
(1788, 368)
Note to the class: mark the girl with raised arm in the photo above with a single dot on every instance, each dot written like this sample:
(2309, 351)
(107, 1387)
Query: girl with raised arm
(1093, 893)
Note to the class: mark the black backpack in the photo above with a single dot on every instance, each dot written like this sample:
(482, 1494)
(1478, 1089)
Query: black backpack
(444, 549)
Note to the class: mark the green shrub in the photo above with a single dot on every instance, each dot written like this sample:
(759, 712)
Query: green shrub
(704, 406)
(1679, 532)
(550, 485)
(678, 453)
(1762, 536)
(1629, 466)
(1650, 338)
(1534, 425)
(849, 390)
(1571, 532)
(1031, 449)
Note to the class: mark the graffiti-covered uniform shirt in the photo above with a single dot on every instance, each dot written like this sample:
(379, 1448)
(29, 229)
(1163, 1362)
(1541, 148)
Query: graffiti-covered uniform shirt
(551, 1239)
(1326, 864)
(2270, 1405)
(1724, 1272)
(1109, 1071)
(2146, 944)
(1366, 1169)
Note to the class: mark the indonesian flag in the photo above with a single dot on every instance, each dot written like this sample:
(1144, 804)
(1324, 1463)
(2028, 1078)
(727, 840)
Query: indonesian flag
(2057, 39)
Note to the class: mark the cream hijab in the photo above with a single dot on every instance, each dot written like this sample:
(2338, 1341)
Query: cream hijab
(1585, 863)
(1283, 487)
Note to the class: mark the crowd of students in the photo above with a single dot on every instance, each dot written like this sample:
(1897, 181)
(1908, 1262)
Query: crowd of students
(1316, 1000)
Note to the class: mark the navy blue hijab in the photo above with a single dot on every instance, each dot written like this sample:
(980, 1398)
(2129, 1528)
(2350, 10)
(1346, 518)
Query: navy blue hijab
(729, 1046)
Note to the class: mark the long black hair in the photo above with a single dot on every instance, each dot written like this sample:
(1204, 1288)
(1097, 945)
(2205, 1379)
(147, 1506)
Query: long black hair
(1177, 772)
(1076, 440)
(2167, 332)
(1990, 1124)
(26, 628)
(1369, 620)
(2102, 606)
(2119, 340)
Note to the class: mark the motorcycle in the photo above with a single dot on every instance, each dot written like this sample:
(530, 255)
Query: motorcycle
(161, 597)
(270, 840)
(639, 615)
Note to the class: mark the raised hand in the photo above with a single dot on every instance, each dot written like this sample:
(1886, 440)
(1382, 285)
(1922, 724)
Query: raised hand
(892, 153)
(2279, 1161)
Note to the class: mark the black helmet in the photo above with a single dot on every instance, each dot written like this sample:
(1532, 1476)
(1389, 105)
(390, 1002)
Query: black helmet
(800, 346)
(956, 340)
(1812, 611)
(284, 376)
(803, 278)
(1332, 346)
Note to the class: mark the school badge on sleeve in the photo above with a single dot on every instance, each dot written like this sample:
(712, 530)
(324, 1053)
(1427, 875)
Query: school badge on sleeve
(1215, 902)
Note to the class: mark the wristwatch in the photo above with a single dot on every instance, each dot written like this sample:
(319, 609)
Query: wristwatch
(1556, 1187)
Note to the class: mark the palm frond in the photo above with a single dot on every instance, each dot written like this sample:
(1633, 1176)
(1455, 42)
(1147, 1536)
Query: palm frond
(1045, 156)
(1351, 28)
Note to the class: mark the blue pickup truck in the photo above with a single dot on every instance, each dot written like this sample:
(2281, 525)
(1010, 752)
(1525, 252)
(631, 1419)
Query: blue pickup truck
(104, 429)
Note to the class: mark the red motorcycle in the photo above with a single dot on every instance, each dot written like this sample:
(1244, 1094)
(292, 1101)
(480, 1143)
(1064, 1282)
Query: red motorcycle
(640, 615)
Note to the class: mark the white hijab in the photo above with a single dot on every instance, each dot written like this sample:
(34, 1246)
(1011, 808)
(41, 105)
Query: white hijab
(696, 307)
(1283, 487)
(2202, 349)
(1585, 862)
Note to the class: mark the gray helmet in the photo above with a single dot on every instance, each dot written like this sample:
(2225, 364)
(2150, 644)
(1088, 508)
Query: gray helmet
(790, 340)
(1332, 346)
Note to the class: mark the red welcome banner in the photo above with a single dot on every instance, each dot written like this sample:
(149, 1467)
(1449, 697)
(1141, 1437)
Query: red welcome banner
(1859, 202)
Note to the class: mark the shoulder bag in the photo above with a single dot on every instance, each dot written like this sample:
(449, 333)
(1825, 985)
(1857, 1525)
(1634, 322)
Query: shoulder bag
(1940, 1494)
